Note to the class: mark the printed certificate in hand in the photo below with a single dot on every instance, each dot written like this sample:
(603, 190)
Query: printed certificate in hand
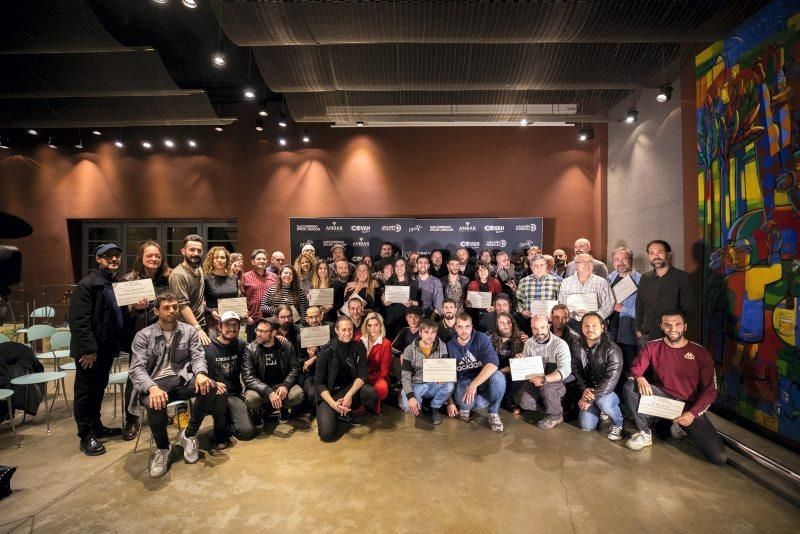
(582, 301)
(314, 336)
(624, 288)
(660, 407)
(526, 368)
(479, 299)
(320, 297)
(236, 304)
(397, 294)
(542, 307)
(128, 293)
(439, 370)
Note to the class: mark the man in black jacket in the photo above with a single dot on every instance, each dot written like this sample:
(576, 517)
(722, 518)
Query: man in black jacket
(597, 366)
(269, 372)
(341, 380)
(95, 322)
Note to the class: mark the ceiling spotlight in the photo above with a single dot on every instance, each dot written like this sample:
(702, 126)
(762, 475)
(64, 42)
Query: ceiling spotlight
(262, 108)
(282, 141)
(584, 134)
(119, 144)
(359, 123)
(3, 146)
(162, 2)
(306, 137)
(282, 120)
(218, 58)
(51, 144)
(217, 128)
(632, 116)
(191, 4)
(192, 143)
(33, 132)
(79, 144)
(664, 93)
(249, 93)
(523, 122)
(147, 145)
(169, 143)
(259, 124)
(97, 132)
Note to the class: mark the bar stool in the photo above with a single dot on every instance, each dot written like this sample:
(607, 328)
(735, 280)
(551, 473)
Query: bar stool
(174, 404)
(5, 395)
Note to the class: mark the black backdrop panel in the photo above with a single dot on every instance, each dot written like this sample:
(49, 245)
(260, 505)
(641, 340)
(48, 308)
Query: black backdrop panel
(363, 236)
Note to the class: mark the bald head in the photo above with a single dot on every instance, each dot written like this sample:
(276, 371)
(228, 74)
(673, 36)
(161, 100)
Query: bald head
(582, 246)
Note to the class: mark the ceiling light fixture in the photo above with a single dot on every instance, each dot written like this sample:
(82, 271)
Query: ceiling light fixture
(33, 132)
(664, 93)
(169, 143)
(306, 137)
(162, 2)
(585, 134)
(218, 58)
(282, 141)
(3, 146)
(192, 143)
(262, 108)
(119, 144)
(147, 145)
(217, 128)
(51, 144)
(249, 93)
(259, 124)
(632, 116)
(523, 122)
(97, 132)
(191, 4)
(282, 120)
(359, 123)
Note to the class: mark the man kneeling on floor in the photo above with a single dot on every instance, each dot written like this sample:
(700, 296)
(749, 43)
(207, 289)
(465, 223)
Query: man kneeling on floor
(428, 346)
(340, 379)
(597, 366)
(479, 382)
(168, 364)
(684, 371)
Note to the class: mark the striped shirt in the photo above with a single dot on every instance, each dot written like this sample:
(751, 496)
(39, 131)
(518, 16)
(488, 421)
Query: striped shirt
(530, 289)
(275, 296)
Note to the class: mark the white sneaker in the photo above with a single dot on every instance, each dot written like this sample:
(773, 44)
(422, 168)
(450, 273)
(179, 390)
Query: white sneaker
(639, 441)
(463, 415)
(676, 431)
(615, 434)
(159, 463)
(191, 448)
(603, 416)
(495, 422)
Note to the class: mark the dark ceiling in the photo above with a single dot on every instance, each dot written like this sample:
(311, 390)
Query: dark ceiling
(123, 63)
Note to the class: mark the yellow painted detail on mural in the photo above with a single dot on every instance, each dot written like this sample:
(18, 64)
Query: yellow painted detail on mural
(718, 68)
(785, 321)
(758, 277)
(752, 187)
(706, 55)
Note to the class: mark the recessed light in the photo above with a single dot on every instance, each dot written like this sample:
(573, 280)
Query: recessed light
(282, 141)
(169, 143)
(118, 144)
(359, 123)
(192, 143)
(147, 144)
(33, 132)
(217, 128)
(97, 132)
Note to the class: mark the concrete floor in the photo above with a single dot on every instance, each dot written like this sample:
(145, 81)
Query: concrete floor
(394, 474)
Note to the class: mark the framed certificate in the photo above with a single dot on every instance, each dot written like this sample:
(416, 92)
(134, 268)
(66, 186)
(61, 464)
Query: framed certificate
(526, 368)
(624, 288)
(397, 294)
(314, 336)
(128, 293)
(660, 407)
(479, 299)
(439, 370)
(236, 304)
(320, 297)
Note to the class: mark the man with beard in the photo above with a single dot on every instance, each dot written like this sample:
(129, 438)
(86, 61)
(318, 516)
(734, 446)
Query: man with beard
(287, 329)
(338, 255)
(584, 281)
(255, 284)
(506, 274)
(540, 285)
(597, 367)
(663, 288)
(583, 246)
(548, 389)
(276, 262)
(447, 326)
(465, 267)
(430, 288)
(560, 263)
(621, 323)
(224, 360)
(454, 285)
(96, 323)
(502, 304)
(355, 310)
(508, 343)
(438, 268)
(187, 283)
(386, 253)
(682, 371)
(308, 355)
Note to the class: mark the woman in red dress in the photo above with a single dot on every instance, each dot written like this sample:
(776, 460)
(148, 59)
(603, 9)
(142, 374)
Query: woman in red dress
(379, 356)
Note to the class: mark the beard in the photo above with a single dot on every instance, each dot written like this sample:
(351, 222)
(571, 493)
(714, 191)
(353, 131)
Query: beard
(541, 338)
(194, 261)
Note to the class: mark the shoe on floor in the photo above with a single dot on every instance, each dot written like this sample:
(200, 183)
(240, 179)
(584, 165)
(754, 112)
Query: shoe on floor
(436, 416)
(603, 416)
(351, 419)
(106, 432)
(284, 416)
(224, 444)
(676, 431)
(547, 423)
(159, 463)
(495, 422)
(615, 434)
(191, 448)
(639, 441)
(258, 417)
(463, 415)
(131, 430)
(91, 447)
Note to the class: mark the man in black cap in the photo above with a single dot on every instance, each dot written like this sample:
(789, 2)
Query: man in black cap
(95, 322)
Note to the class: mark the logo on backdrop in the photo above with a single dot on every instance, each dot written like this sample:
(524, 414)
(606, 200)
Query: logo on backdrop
(499, 243)
(361, 243)
(527, 244)
(498, 229)
(363, 228)
(467, 227)
(473, 244)
(525, 227)
(308, 228)
(440, 228)
(391, 228)
(333, 243)
(417, 228)
(333, 227)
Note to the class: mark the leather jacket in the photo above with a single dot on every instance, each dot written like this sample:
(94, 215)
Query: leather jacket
(599, 367)
(254, 367)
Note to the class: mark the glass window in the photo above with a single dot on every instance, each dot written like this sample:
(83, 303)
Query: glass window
(174, 241)
(221, 236)
(97, 234)
(135, 237)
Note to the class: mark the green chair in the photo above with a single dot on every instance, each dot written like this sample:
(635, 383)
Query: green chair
(5, 395)
(118, 380)
(43, 378)
(142, 421)
(40, 332)
(59, 347)
(4, 338)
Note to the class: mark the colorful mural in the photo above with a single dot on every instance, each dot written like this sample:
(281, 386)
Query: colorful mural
(748, 133)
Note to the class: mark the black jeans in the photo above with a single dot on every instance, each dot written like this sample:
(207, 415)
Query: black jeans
(90, 387)
(701, 430)
(326, 416)
(177, 389)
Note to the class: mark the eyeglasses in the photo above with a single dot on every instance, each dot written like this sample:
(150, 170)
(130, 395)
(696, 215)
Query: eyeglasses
(262, 331)
(109, 255)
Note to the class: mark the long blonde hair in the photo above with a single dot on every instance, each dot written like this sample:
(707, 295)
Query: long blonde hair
(370, 316)
(315, 280)
(310, 258)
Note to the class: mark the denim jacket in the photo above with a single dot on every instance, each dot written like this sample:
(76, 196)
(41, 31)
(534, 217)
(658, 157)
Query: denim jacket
(188, 356)
(626, 333)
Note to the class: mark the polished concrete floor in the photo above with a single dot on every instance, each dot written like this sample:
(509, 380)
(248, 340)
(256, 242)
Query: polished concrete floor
(394, 474)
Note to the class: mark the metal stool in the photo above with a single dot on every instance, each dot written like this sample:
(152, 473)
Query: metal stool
(118, 380)
(173, 404)
(6, 394)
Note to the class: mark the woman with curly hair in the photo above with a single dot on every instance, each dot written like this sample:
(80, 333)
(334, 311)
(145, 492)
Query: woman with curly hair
(219, 284)
(286, 291)
(304, 266)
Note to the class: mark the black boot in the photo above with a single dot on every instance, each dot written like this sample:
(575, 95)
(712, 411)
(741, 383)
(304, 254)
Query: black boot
(91, 447)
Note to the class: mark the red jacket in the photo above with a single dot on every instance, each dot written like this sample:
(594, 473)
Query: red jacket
(686, 373)
(493, 283)
(379, 361)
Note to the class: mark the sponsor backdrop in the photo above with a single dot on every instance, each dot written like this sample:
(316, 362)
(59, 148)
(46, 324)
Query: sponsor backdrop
(363, 236)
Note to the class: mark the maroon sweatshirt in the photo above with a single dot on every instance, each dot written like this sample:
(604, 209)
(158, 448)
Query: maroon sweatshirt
(686, 373)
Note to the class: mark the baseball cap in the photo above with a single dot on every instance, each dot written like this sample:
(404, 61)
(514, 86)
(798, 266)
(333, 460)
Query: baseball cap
(230, 316)
(106, 247)
(309, 248)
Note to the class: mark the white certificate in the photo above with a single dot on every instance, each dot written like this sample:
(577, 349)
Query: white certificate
(624, 288)
(542, 307)
(295, 314)
(320, 297)
(128, 293)
(660, 407)
(479, 299)
(439, 370)
(582, 301)
(526, 368)
(314, 336)
(236, 304)
(397, 294)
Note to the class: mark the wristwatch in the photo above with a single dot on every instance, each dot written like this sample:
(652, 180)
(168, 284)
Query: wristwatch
(198, 327)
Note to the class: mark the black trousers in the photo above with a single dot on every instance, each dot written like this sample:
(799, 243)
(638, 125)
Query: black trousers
(701, 430)
(327, 416)
(90, 387)
(178, 389)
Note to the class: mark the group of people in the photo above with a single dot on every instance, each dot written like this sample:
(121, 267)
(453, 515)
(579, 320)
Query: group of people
(599, 354)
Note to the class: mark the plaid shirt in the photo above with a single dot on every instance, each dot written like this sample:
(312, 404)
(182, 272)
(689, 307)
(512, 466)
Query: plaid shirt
(595, 284)
(530, 289)
(254, 288)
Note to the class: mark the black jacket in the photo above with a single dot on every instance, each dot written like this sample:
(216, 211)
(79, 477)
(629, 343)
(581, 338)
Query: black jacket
(254, 367)
(221, 371)
(332, 357)
(17, 359)
(599, 367)
(92, 318)
(659, 294)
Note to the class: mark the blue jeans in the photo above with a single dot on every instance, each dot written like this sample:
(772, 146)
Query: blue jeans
(608, 404)
(438, 393)
(490, 393)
